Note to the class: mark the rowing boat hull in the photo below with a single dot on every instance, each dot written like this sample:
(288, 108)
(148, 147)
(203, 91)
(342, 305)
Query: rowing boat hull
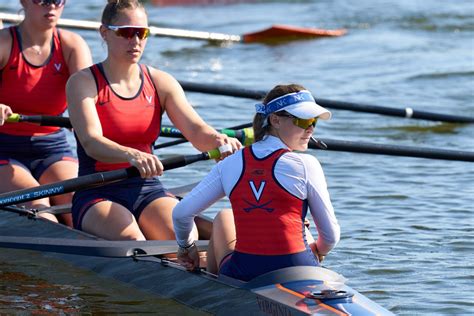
(287, 295)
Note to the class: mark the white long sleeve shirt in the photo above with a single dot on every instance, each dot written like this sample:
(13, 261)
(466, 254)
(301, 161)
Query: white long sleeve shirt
(300, 174)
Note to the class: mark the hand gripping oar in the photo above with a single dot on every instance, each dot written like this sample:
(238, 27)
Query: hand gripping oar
(96, 179)
(407, 112)
(272, 34)
(96, 248)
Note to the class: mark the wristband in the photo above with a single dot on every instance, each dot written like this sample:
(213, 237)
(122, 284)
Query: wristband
(225, 148)
(188, 246)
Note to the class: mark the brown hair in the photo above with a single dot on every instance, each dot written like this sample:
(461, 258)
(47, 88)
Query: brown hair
(259, 118)
(115, 7)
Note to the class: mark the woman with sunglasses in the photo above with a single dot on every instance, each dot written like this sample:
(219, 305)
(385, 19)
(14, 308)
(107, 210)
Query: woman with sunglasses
(116, 108)
(270, 187)
(36, 60)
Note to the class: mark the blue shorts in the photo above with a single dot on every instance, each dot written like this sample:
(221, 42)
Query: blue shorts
(245, 267)
(135, 194)
(35, 153)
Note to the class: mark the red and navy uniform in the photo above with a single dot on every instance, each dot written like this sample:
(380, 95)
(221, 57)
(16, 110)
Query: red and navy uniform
(269, 222)
(133, 122)
(34, 90)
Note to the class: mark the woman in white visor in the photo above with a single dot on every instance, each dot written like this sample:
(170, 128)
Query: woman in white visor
(270, 187)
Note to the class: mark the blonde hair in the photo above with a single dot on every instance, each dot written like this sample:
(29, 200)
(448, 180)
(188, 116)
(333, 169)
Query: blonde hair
(259, 119)
(115, 7)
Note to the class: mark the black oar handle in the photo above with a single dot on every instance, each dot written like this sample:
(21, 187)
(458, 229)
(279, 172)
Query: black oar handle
(45, 120)
(340, 105)
(393, 150)
(180, 161)
(56, 121)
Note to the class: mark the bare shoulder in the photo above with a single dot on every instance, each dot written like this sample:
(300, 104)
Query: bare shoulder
(81, 81)
(75, 50)
(164, 81)
(71, 39)
(5, 46)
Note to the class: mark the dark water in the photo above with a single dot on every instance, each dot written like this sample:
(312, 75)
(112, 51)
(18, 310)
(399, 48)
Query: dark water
(407, 223)
(29, 286)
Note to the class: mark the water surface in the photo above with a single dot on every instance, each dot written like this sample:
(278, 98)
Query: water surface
(407, 223)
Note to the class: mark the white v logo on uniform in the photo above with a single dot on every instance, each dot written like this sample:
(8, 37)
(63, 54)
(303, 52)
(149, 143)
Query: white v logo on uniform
(149, 98)
(57, 66)
(257, 192)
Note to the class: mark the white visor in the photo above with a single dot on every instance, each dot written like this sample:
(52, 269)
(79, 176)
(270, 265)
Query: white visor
(300, 104)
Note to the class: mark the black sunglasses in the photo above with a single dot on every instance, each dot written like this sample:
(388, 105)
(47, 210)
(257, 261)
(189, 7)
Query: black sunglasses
(46, 3)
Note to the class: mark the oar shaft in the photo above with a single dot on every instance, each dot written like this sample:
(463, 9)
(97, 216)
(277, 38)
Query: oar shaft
(156, 31)
(43, 120)
(245, 136)
(398, 112)
(340, 105)
(97, 179)
(66, 186)
(181, 141)
(394, 150)
(372, 148)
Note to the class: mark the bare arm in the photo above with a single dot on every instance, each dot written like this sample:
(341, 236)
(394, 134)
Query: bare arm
(81, 97)
(5, 48)
(185, 118)
(75, 50)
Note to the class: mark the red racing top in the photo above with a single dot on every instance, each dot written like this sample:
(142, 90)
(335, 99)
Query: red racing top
(33, 90)
(133, 122)
(268, 219)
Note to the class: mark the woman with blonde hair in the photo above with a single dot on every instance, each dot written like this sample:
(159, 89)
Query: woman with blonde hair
(116, 108)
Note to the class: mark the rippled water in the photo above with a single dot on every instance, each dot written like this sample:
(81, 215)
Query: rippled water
(407, 223)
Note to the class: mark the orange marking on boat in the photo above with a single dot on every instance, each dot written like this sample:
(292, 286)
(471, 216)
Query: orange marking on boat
(320, 303)
(281, 287)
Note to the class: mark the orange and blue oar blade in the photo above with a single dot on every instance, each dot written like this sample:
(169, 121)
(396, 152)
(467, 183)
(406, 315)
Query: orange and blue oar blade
(277, 33)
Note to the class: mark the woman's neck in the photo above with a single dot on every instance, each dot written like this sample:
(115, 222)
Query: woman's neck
(39, 41)
(117, 72)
